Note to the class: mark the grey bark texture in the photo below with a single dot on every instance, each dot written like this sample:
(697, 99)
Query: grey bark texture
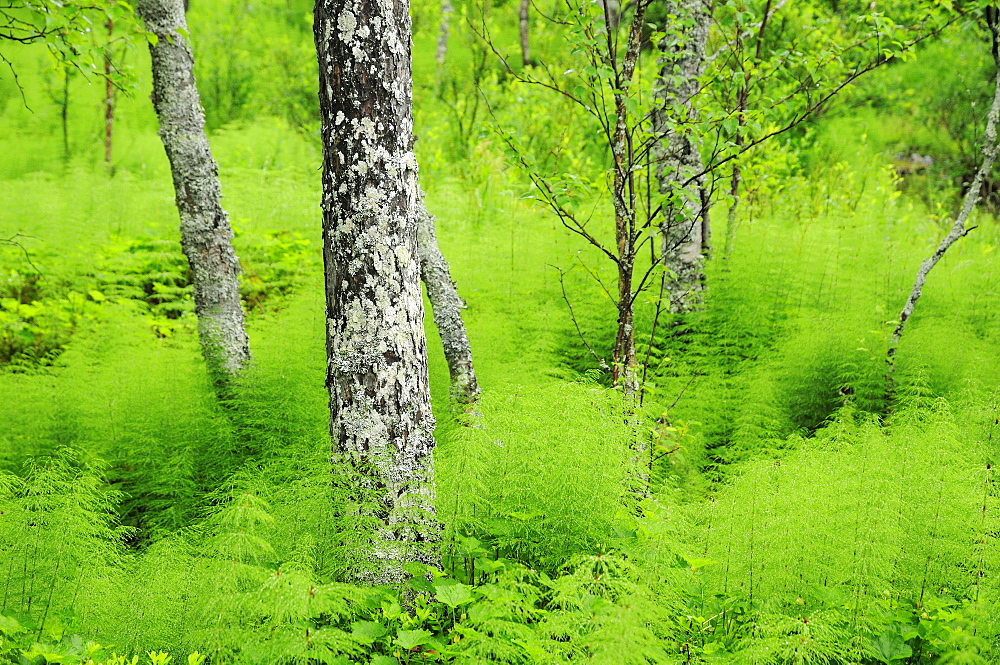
(522, 15)
(381, 420)
(447, 307)
(684, 227)
(442, 45)
(991, 146)
(206, 236)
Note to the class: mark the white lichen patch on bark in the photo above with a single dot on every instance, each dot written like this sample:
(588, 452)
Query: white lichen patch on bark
(381, 419)
(678, 153)
(206, 236)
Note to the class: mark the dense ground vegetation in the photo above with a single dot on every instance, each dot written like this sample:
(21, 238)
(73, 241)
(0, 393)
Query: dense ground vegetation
(791, 513)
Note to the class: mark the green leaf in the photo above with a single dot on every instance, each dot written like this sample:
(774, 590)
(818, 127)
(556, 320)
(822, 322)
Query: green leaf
(421, 585)
(694, 563)
(11, 626)
(891, 647)
(412, 638)
(379, 659)
(367, 631)
(454, 595)
(415, 568)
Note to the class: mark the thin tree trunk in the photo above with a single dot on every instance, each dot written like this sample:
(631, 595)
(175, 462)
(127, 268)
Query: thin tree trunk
(109, 102)
(958, 230)
(624, 365)
(522, 13)
(64, 114)
(732, 217)
(381, 420)
(206, 236)
(442, 46)
(684, 228)
(613, 13)
(447, 307)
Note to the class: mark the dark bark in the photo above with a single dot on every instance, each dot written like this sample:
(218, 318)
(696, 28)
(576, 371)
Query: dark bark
(624, 366)
(381, 420)
(64, 114)
(206, 236)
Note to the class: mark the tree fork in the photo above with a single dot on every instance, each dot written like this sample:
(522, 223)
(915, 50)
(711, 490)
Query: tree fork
(206, 236)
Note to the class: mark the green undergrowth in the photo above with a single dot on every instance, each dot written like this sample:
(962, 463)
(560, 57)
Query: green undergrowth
(829, 527)
(865, 543)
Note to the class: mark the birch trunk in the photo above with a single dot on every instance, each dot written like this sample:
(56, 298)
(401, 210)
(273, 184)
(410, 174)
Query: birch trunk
(958, 230)
(442, 45)
(684, 228)
(447, 307)
(381, 420)
(206, 236)
(522, 14)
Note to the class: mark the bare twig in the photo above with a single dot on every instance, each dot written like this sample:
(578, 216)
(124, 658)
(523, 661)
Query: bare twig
(12, 242)
(991, 146)
(572, 315)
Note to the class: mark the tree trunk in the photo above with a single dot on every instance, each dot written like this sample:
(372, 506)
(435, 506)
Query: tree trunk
(732, 219)
(64, 114)
(109, 101)
(991, 146)
(206, 236)
(624, 365)
(381, 419)
(442, 46)
(447, 308)
(612, 13)
(678, 156)
(624, 372)
(522, 13)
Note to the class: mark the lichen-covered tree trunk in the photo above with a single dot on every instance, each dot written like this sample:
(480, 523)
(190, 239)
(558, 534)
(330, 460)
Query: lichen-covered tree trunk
(678, 155)
(447, 307)
(380, 407)
(206, 236)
